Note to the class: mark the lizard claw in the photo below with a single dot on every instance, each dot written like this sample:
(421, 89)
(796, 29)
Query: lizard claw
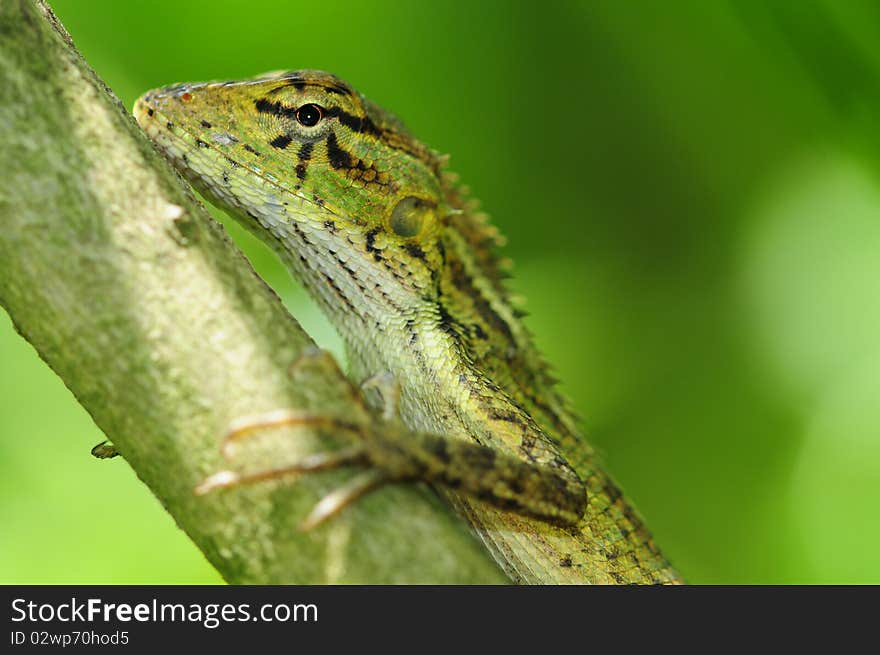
(334, 502)
(220, 480)
(244, 427)
(323, 461)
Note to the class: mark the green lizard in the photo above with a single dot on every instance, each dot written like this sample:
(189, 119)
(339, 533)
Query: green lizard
(405, 266)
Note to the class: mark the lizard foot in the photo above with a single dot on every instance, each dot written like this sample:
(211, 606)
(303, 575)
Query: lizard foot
(331, 504)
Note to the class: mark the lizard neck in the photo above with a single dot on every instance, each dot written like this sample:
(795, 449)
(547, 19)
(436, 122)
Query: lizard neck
(446, 328)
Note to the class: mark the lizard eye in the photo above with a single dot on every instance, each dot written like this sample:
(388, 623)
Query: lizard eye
(309, 115)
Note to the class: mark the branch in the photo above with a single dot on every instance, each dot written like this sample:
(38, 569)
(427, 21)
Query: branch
(138, 300)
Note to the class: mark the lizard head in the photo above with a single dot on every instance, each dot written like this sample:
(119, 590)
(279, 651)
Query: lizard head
(306, 162)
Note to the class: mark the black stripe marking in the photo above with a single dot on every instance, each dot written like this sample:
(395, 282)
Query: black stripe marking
(446, 322)
(478, 332)
(281, 141)
(305, 151)
(304, 154)
(296, 82)
(549, 412)
(337, 157)
(415, 250)
(206, 125)
(439, 448)
(506, 416)
(363, 125)
(370, 238)
(335, 88)
(464, 283)
(274, 108)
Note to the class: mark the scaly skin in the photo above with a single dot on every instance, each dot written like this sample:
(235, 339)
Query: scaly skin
(405, 267)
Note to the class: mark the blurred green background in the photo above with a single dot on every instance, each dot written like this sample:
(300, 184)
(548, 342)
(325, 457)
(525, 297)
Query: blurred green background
(691, 195)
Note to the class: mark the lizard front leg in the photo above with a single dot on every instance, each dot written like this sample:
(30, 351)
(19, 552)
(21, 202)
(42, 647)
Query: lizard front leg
(390, 453)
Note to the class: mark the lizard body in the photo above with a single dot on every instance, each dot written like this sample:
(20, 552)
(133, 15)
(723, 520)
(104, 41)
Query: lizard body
(404, 265)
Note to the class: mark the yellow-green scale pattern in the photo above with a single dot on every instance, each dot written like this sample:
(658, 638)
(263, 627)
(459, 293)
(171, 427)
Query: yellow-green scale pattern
(406, 268)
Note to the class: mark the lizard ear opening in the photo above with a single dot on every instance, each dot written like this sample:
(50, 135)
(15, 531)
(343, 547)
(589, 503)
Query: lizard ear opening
(410, 216)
